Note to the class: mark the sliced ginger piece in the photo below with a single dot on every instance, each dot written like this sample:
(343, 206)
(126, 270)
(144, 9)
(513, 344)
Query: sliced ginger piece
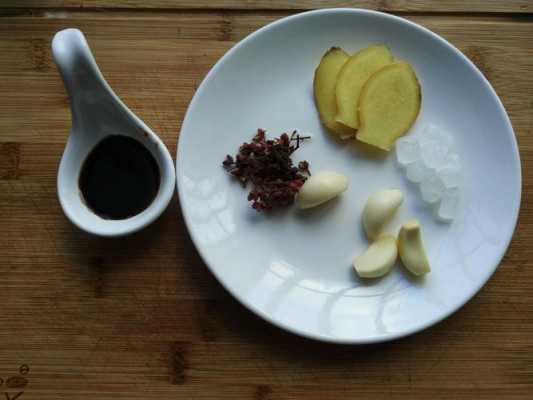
(388, 106)
(324, 91)
(352, 77)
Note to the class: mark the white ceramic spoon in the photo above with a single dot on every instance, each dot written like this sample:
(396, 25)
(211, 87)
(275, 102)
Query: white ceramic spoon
(97, 112)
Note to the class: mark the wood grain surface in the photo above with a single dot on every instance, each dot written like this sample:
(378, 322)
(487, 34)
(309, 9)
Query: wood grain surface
(480, 6)
(141, 317)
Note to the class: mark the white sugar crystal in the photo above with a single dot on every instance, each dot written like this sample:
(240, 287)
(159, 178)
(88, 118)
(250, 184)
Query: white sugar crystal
(436, 135)
(450, 176)
(432, 189)
(418, 172)
(449, 205)
(407, 150)
(453, 161)
(434, 154)
(430, 159)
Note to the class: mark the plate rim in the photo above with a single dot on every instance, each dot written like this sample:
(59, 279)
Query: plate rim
(258, 311)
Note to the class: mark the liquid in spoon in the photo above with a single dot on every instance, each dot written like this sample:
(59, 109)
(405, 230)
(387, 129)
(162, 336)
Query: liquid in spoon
(119, 178)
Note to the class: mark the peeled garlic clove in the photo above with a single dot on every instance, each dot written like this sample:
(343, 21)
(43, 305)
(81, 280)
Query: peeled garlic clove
(379, 209)
(321, 187)
(378, 259)
(411, 248)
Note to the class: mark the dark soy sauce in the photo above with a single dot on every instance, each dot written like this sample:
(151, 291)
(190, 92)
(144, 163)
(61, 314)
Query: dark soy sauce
(119, 178)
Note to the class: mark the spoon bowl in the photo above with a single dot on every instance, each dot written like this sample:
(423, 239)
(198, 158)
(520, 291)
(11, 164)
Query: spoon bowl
(97, 112)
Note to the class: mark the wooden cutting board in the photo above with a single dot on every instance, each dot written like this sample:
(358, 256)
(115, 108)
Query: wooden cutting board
(141, 317)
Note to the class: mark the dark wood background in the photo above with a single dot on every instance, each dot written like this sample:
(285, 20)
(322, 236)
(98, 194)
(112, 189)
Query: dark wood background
(141, 317)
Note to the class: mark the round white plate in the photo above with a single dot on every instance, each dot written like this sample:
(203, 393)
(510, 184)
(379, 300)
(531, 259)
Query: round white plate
(293, 268)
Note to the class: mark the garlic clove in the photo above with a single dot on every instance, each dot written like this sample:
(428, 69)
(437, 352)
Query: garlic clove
(379, 209)
(411, 248)
(378, 259)
(321, 187)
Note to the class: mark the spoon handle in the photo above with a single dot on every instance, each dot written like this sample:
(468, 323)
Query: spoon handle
(86, 87)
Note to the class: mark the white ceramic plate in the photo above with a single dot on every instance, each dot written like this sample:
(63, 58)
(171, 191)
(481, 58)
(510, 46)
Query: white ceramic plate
(294, 269)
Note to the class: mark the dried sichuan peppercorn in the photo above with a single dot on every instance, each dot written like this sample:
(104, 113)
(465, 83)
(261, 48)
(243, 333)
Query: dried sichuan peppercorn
(267, 164)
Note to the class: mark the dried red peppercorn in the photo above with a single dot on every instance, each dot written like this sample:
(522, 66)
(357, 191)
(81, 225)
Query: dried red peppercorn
(267, 164)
